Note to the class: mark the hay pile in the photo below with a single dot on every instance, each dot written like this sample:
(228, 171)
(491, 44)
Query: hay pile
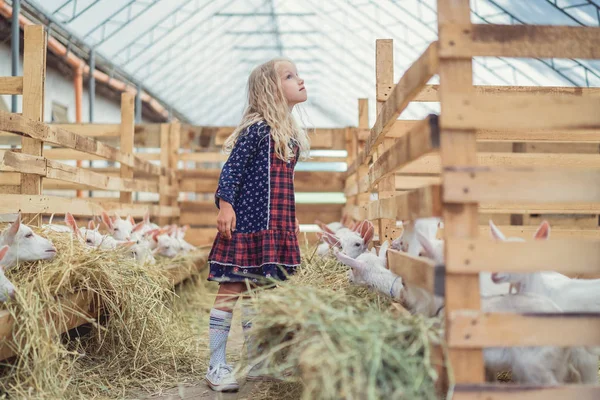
(140, 342)
(340, 341)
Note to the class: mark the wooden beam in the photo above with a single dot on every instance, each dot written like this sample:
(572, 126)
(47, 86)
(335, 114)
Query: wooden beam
(58, 136)
(513, 391)
(419, 203)
(536, 208)
(458, 147)
(577, 256)
(472, 329)
(126, 145)
(417, 271)
(518, 185)
(422, 139)
(522, 112)
(25, 163)
(413, 80)
(527, 232)
(430, 92)
(535, 41)
(11, 85)
(34, 79)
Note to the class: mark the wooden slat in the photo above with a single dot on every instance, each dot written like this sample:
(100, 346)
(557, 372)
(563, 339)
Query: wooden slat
(526, 232)
(34, 77)
(11, 85)
(126, 140)
(471, 329)
(536, 41)
(523, 392)
(430, 92)
(415, 77)
(407, 182)
(536, 208)
(76, 310)
(58, 136)
(417, 271)
(93, 130)
(419, 203)
(458, 147)
(518, 185)
(205, 181)
(546, 135)
(422, 139)
(26, 163)
(522, 112)
(578, 256)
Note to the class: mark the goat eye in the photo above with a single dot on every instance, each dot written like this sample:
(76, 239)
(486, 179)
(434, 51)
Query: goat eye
(356, 244)
(29, 235)
(116, 229)
(88, 240)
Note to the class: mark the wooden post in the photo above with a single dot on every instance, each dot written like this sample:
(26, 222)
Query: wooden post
(127, 131)
(34, 77)
(174, 143)
(362, 199)
(385, 84)
(163, 181)
(460, 220)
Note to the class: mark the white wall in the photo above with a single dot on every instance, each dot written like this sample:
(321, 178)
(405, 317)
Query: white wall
(60, 89)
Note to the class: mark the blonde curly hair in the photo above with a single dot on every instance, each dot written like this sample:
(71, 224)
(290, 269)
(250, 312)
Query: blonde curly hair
(266, 102)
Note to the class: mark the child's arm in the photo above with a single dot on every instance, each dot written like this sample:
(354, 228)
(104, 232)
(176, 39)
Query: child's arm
(233, 170)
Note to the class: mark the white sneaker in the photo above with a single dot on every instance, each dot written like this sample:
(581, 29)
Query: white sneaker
(221, 378)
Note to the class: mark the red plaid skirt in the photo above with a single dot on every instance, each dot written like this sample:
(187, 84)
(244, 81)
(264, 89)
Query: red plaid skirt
(271, 251)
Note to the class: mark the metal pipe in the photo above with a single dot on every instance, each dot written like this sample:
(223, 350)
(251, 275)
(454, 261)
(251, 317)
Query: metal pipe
(92, 85)
(15, 44)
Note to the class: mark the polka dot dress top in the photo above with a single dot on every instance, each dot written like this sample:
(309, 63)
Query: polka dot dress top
(260, 187)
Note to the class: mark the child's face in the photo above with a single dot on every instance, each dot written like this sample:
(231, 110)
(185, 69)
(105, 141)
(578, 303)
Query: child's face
(293, 86)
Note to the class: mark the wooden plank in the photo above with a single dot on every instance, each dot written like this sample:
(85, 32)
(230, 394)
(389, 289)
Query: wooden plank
(93, 130)
(164, 162)
(535, 41)
(56, 170)
(417, 271)
(472, 329)
(545, 135)
(501, 391)
(430, 92)
(522, 112)
(126, 145)
(11, 85)
(536, 208)
(76, 309)
(419, 203)
(458, 147)
(527, 232)
(561, 219)
(34, 79)
(578, 256)
(174, 144)
(519, 185)
(422, 139)
(407, 182)
(413, 80)
(205, 181)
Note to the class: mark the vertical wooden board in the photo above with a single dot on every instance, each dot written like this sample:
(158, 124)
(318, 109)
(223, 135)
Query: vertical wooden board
(34, 77)
(127, 132)
(460, 220)
(385, 84)
(174, 144)
(163, 181)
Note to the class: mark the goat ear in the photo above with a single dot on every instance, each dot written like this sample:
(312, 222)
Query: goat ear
(13, 229)
(3, 251)
(427, 245)
(126, 244)
(331, 239)
(107, 221)
(138, 226)
(495, 232)
(91, 225)
(543, 232)
(345, 220)
(130, 218)
(147, 217)
(320, 235)
(324, 227)
(70, 221)
(367, 231)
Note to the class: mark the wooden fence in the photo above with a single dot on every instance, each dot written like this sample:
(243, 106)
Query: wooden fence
(471, 161)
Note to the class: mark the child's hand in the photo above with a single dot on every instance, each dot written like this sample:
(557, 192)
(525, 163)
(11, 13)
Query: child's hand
(226, 219)
(297, 226)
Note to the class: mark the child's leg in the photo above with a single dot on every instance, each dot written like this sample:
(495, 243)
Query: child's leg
(220, 320)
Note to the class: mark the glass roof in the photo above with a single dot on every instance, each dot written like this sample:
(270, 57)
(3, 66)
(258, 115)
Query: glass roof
(195, 55)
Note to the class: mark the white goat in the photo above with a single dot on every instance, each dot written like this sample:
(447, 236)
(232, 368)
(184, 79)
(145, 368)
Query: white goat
(25, 245)
(119, 228)
(352, 242)
(334, 228)
(167, 246)
(408, 241)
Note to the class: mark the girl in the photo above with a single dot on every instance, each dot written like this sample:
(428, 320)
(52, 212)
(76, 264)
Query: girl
(257, 221)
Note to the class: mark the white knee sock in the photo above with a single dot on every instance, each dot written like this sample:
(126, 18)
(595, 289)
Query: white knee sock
(220, 323)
